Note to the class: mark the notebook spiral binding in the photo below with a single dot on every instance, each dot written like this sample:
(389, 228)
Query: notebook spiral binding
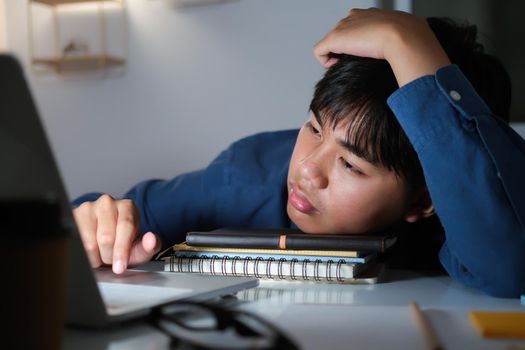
(284, 269)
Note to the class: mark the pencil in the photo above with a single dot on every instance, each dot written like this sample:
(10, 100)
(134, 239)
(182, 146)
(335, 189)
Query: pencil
(428, 333)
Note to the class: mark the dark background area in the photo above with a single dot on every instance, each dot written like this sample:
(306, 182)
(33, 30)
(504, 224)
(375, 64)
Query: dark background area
(501, 29)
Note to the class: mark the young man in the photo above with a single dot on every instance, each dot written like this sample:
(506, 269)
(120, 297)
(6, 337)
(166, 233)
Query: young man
(354, 167)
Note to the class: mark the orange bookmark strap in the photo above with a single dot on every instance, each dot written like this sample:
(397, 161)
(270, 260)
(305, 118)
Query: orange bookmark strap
(282, 242)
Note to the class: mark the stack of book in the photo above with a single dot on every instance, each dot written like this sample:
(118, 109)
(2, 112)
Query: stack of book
(281, 255)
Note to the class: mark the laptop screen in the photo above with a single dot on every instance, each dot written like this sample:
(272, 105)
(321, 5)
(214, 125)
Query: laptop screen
(29, 173)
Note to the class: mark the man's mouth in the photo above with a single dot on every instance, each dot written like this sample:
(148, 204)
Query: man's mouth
(299, 201)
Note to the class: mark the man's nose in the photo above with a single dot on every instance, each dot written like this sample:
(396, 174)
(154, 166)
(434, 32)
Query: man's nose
(313, 174)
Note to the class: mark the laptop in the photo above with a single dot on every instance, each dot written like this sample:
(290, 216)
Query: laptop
(95, 297)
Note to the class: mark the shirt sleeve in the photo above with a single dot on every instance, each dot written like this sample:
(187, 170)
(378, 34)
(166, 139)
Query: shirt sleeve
(243, 187)
(170, 208)
(474, 166)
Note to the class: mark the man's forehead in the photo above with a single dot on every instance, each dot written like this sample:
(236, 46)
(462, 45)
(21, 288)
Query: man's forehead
(342, 128)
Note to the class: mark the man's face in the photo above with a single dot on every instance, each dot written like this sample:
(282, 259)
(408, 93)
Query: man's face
(331, 190)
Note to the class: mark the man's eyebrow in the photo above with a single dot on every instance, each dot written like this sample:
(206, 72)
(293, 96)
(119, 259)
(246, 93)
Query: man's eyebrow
(358, 151)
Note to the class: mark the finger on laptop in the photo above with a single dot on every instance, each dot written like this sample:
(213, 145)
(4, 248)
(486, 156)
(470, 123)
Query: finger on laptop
(126, 231)
(151, 242)
(143, 250)
(106, 213)
(87, 227)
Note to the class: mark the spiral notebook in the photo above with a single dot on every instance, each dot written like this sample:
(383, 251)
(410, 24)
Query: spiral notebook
(306, 268)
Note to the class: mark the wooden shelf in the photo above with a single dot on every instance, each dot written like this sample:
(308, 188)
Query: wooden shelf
(66, 53)
(63, 2)
(81, 63)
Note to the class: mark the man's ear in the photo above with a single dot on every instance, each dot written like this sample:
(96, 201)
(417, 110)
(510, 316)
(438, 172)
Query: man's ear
(421, 206)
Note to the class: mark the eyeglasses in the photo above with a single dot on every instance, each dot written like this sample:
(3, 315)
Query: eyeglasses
(200, 325)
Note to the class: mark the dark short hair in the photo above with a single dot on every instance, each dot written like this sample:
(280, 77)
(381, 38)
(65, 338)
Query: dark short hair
(355, 90)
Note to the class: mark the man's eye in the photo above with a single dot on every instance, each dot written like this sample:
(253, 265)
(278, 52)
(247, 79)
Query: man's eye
(312, 128)
(349, 167)
(346, 164)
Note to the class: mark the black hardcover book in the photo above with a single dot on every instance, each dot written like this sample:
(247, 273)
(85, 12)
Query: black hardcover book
(290, 239)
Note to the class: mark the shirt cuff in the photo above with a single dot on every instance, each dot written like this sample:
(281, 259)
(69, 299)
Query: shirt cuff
(433, 106)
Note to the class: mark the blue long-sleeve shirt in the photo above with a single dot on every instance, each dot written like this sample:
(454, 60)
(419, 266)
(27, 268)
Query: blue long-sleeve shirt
(474, 167)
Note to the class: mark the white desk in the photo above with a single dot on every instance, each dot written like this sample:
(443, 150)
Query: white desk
(320, 316)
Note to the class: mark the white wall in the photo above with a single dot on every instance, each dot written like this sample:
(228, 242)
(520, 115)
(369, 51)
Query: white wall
(197, 79)
(3, 27)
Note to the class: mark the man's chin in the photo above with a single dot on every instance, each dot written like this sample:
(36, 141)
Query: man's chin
(303, 222)
(294, 217)
(309, 223)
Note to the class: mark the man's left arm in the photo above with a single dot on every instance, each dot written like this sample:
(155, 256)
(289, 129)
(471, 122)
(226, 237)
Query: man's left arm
(474, 166)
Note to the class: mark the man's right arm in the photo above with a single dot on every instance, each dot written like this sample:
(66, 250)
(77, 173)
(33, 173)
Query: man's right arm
(130, 230)
(242, 187)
